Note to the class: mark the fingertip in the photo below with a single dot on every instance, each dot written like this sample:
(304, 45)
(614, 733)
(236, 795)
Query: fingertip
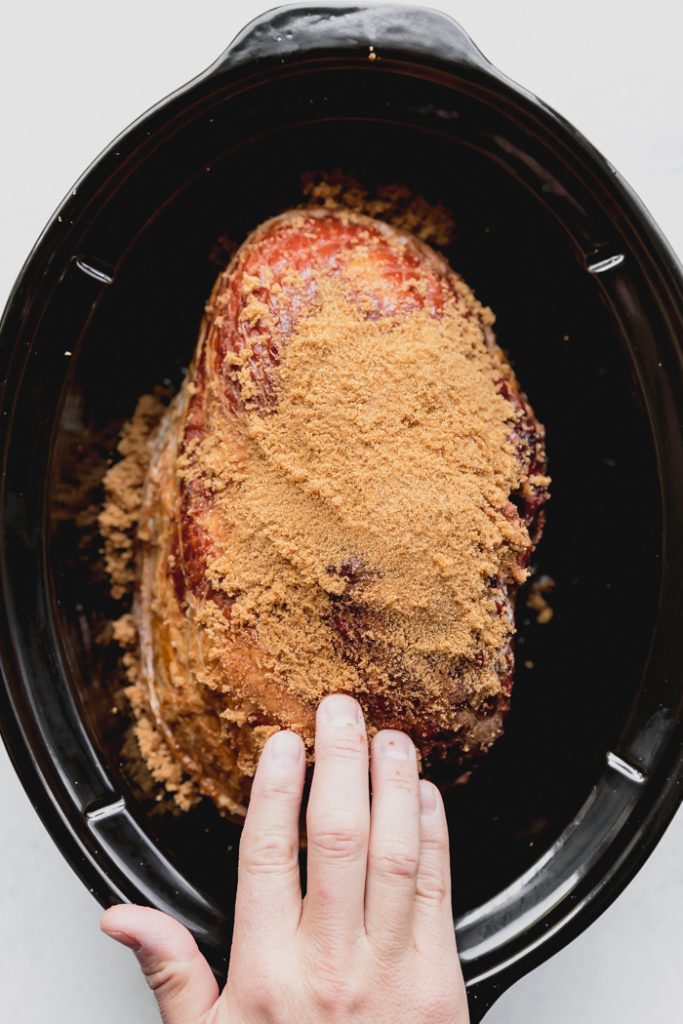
(431, 800)
(285, 745)
(394, 745)
(144, 928)
(122, 916)
(340, 710)
(281, 769)
(113, 923)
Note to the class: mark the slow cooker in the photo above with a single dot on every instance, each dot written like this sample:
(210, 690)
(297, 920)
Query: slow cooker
(589, 302)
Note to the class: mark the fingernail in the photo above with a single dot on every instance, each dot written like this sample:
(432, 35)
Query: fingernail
(395, 744)
(285, 745)
(340, 710)
(125, 940)
(427, 798)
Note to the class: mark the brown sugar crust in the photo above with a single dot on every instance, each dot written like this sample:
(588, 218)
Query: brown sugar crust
(344, 495)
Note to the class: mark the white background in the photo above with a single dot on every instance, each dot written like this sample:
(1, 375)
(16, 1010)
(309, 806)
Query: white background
(72, 75)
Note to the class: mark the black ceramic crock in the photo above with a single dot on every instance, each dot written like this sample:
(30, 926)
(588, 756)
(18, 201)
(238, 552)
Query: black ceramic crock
(590, 308)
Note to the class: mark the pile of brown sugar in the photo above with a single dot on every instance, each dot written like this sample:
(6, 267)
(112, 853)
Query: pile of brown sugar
(332, 489)
(392, 202)
(380, 475)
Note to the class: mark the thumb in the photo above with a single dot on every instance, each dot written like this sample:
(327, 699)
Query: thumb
(176, 972)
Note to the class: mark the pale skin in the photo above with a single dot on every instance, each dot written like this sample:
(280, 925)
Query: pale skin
(372, 941)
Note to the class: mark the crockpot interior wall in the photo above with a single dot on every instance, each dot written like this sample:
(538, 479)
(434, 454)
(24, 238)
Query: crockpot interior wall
(226, 168)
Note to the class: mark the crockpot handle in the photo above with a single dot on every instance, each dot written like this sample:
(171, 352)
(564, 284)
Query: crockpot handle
(295, 32)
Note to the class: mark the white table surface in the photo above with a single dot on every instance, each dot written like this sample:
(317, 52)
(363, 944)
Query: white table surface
(72, 75)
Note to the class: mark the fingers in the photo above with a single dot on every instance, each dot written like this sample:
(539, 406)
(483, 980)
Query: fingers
(177, 973)
(337, 826)
(394, 843)
(433, 929)
(268, 903)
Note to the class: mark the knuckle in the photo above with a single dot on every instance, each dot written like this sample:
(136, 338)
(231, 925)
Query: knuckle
(394, 860)
(337, 841)
(344, 747)
(436, 842)
(401, 783)
(337, 997)
(431, 887)
(267, 852)
(262, 996)
(263, 986)
(275, 789)
(166, 979)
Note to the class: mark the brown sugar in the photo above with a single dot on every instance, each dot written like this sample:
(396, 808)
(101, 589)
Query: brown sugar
(390, 446)
(123, 483)
(393, 202)
(536, 599)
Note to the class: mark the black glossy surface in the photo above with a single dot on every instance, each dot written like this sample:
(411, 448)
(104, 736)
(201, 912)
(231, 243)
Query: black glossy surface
(598, 354)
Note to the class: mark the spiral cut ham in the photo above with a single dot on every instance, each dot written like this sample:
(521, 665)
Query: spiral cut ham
(343, 496)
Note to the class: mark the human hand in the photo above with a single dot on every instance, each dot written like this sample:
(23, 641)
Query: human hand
(373, 939)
